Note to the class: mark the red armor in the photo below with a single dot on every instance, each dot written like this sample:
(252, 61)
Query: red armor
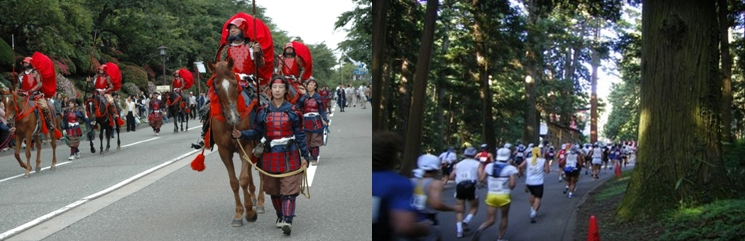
(28, 82)
(310, 105)
(290, 67)
(72, 117)
(242, 63)
(177, 83)
(155, 105)
(101, 83)
(281, 158)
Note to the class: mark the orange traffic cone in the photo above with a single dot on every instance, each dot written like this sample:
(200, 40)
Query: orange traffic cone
(618, 170)
(592, 234)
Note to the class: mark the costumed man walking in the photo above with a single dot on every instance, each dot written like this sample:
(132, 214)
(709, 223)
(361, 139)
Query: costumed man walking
(325, 97)
(31, 83)
(71, 123)
(282, 126)
(341, 98)
(247, 54)
(314, 119)
(155, 118)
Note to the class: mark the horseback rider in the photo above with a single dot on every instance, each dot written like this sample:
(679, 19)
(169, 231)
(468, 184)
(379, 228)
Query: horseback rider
(247, 55)
(104, 86)
(31, 83)
(292, 64)
(177, 84)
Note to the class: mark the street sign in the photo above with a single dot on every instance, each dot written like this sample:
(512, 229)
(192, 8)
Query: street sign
(360, 71)
(200, 67)
(163, 88)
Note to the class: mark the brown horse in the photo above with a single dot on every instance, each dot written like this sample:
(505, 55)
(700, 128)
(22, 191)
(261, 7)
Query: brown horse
(25, 115)
(226, 87)
(176, 105)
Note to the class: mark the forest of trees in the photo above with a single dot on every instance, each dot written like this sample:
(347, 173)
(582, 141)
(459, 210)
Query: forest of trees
(129, 34)
(495, 69)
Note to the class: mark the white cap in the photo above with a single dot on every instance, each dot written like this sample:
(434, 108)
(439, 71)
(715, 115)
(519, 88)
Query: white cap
(428, 162)
(503, 154)
(507, 145)
(563, 146)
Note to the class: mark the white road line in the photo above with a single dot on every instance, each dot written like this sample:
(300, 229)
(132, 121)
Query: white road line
(42, 169)
(75, 204)
(132, 144)
(199, 126)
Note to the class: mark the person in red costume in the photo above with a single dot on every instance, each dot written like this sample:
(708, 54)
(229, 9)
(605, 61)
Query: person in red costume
(247, 56)
(292, 64)
(103, 85)
(30, 85)
(177, 84)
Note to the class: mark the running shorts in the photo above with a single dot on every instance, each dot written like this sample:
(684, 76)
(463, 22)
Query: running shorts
(497, 200)
(447, 169)
(465, 190)
(536, 190)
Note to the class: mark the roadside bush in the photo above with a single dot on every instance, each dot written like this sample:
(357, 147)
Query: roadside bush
(130, 88)
(720, 220)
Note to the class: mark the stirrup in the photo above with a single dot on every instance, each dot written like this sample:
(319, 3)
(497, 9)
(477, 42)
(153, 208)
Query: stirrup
(199, 145)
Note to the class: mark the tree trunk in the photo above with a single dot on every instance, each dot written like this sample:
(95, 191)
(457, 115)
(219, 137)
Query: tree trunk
(679, 160)
(404, 96)
(386, 107)
(414, 131)
(726, 72)
(482, 60)
(594, 96)
(380, 8)
(533, 67)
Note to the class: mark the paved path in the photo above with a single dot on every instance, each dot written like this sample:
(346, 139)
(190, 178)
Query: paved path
(148, 191)
(554, 219)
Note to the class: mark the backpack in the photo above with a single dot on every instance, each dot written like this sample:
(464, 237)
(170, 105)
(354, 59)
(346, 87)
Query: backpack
(497, 169)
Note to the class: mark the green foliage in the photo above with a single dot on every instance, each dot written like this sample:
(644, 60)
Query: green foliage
(133, 74)
(734, 163)
(130, 88)
(6, 53)
(720, 220)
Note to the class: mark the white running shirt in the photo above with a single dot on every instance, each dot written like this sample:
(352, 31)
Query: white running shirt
(500, 185)
(571, 159)
(448, 157)
(466, 170)
(597, 155)
(534, 175)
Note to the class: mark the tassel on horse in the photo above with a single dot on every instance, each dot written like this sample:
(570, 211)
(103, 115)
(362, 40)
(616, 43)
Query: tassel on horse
(198, 163)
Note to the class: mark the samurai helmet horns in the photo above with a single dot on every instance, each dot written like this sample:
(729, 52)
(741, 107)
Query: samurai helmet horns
(27, 60)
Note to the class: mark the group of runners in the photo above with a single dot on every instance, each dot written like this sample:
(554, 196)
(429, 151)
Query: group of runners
(477, 169)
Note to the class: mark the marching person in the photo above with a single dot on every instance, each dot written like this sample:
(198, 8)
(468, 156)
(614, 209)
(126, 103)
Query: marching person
(596, 153)
(392, 213)
(131, 114)
(71, 123)
(466, 175)
(247, 56)
(363, 98)
(447, 158)
(501, 180)
(572, 169)
(428, 194)
(562, 158)
(292, 64)
(281, 124)
(155, 117)
(325, 95)
(341, 98)
(484, 156)
(536, 167)
(314, 119)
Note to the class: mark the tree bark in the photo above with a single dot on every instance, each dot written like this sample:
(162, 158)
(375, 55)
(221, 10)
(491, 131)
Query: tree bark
(679, 154)
(726, 72)
(594, 96)
(533, 66)
(380, 7)
(414, 131)
(482, 60)
(404, 96)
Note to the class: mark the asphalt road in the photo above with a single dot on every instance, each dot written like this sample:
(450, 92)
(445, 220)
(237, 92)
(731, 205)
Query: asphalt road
(169, 201)
(554, 220)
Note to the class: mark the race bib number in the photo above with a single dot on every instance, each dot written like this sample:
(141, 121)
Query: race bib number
(464, 176)
(483, 159)
(561, 156)
(375, 208)
(520, 154)
(535, 169)
(420, 201)
(498, 187)
(572, 163)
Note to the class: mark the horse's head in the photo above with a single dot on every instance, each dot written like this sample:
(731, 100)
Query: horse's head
(226, 86)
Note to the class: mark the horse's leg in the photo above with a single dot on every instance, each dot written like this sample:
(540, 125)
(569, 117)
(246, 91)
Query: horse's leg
(187, 124)
(89, 135)
(100, 136)
(118, 141)
(109, 131)
(54, 153)
(17, 153)
(28, 155)
(38, 152)
(246, 180)
(227, 159)
(175, 122)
